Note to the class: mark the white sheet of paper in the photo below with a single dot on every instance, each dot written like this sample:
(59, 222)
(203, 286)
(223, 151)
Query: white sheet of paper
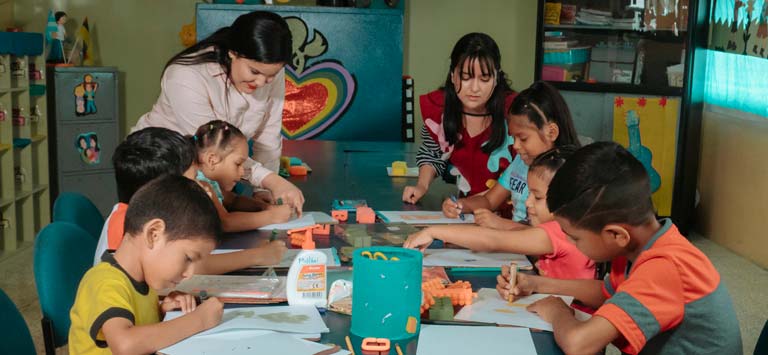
(423, 217)
(287, 319)
(468, 258)
(246, 343)
(330, 253)
(451, 339)
(306, 220)
(489, 307)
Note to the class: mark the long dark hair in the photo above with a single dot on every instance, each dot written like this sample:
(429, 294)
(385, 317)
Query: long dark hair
(480, 47)
(262, 36)
(545, 97)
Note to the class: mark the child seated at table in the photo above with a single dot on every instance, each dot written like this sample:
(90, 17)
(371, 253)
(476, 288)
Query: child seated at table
(220, 151)
(662, 296)
(152, 152)
(559, 258)
(117, 306)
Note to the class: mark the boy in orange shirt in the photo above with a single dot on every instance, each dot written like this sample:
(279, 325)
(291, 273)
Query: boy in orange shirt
(662, 296)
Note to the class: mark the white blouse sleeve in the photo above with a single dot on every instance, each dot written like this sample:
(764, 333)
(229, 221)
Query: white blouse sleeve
(268, 139)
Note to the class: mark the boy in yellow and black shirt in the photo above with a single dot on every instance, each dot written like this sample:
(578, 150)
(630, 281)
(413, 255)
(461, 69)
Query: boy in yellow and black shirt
(116, 308)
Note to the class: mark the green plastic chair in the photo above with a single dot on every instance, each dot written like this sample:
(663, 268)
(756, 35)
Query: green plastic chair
(77, 209)
(15, 337)
(63, 253)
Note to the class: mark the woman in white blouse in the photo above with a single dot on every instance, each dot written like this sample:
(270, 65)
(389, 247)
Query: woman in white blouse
(235, 75)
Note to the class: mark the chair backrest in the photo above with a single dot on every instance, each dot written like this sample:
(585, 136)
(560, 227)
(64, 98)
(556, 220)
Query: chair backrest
(63, 253)
(761, 348)
(75, 208)
(15, 337)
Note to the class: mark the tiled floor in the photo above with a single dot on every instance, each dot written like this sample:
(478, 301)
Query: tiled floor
(746, 282)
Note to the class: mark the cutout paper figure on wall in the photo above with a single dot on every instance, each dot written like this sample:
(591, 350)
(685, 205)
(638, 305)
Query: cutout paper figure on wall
(87, 145)
(653, 143)
(85, 96)
(641, 152)
(316, 95)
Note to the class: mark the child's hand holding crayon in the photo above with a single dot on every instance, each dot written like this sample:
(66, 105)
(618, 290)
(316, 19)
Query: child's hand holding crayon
(178, 300)
(524, 285)
(209, 313)
(452, 207)
(280, 213)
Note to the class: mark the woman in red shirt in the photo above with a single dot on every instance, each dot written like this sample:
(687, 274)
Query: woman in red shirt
(464, 120)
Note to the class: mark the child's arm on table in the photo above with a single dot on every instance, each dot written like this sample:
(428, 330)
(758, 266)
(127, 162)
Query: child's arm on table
(530, 241)
(125, 338)
(488, 218)
(572, 335)
(216, 264)
(587, 291)
(234, 202)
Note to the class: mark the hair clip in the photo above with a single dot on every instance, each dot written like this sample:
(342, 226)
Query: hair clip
(226, 127)
(194, 138)
(210, 127)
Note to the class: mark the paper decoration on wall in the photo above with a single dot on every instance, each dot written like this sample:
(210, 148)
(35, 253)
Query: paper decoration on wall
(317, 95)
(647, 127)
(740, 27)
(87, 145)
(85, 96)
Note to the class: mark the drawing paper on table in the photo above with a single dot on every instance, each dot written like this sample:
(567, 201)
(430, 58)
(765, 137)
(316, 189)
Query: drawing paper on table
(246, 343)
(460, 340)
(306, 219)
(332, 258)
(422, 217)
(288, 319)
(489, 307)
(468, 258)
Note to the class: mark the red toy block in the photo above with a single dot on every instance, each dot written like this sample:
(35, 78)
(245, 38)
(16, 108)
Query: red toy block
(340, 215)
(365, 215)
(322, 229)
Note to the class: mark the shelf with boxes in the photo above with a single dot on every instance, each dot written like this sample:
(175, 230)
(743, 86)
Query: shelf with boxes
(24, 193)
(626, 69)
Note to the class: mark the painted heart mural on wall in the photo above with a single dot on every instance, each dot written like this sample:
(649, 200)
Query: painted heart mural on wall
(315, 98)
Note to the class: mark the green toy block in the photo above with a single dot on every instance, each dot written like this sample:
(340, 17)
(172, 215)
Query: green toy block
(442, 309)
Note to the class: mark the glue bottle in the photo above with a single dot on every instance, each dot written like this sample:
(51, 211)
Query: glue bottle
(306, 282)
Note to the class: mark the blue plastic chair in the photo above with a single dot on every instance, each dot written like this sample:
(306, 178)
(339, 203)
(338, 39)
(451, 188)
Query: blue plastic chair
(63, 253)
(77, 209)
(15, 337)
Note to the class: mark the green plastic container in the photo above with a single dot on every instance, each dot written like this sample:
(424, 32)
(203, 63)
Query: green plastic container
(386, 296)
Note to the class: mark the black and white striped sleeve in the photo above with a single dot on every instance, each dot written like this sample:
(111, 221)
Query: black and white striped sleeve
(429, 153)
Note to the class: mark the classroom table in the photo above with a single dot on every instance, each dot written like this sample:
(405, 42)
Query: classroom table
(357, 170)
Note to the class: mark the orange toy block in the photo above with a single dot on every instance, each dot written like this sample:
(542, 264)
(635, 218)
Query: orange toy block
(365, 215)
(375, 346)
(297, 170)
(460, 292)
(341, 215)
(302, 237)
(322, 229)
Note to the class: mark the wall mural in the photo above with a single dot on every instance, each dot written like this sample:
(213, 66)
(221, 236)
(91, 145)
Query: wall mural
(741, 27)
(317, 95)
(647, 127)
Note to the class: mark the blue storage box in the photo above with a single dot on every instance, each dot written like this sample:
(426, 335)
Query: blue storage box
(568, 56)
